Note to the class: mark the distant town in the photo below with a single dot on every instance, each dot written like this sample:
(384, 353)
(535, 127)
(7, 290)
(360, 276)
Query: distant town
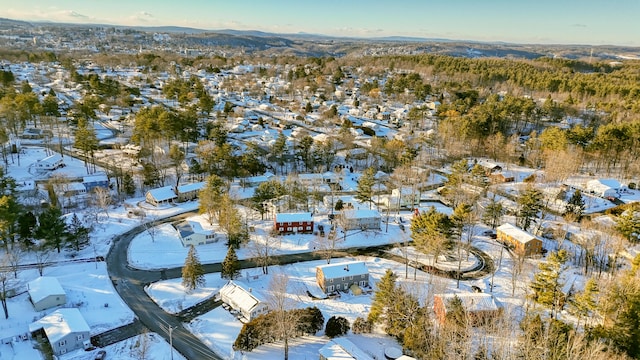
(192, 195)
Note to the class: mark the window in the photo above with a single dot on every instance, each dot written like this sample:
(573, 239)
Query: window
(289, 223)
(343, 278)
(308, 227)
(330, 288)
(281, 229)
(288, 229)
(79, 337)
(362, 276)
(350, 277)
(300, 228)
(338, 287)
(63, 342)
(330, 280)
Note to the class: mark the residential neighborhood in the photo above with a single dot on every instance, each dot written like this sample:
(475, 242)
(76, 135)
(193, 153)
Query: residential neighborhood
(212, 203)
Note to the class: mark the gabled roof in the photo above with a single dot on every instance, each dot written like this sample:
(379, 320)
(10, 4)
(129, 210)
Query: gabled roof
(361, 214)
(163, 193)
(341, 348)
(353, 268)
(242, 297)
(61, 323)
(293, 217)
(516, 233)
(191, 187)
(472, 301)
(44, 286)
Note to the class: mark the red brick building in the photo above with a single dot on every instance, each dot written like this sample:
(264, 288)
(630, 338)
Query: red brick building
(290, 223)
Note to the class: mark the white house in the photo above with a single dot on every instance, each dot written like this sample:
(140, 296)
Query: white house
(45, 292)
(51, 162)
(604, 187)
(361, 219)
(243, 300)
(65, 329)
(161, 196)
(192, 233)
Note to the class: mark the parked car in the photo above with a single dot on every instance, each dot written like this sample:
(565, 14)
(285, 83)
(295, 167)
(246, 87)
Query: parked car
(101, 355)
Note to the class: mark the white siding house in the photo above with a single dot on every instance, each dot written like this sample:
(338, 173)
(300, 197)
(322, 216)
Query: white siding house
(65, 329)
(243, 300)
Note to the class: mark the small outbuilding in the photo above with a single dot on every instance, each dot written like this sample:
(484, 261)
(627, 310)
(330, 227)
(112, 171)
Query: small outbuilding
(45, 292)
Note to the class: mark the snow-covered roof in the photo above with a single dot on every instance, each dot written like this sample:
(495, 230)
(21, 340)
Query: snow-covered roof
(242, 297)
(603, 184)
(516, 233)
(95, 178)
(191, 187)
(44, 286)
(361, 214)
(163, 193)
(472, 301)
(341, 348)
(186, 228)
(353, 268)
(293, 217)
(61, 323)
(52, 159)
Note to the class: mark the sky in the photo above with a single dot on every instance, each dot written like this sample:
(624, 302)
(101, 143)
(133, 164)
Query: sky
(594, 22)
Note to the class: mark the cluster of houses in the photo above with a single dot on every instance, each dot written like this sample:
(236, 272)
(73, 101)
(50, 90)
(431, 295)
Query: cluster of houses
(65, 329)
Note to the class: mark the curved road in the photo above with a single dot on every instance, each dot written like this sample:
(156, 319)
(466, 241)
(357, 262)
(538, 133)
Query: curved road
(130, 284)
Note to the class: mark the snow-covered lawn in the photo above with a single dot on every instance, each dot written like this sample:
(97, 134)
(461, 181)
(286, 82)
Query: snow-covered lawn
(172, 297)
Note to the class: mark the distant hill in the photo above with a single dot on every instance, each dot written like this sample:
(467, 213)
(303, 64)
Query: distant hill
(8, 24)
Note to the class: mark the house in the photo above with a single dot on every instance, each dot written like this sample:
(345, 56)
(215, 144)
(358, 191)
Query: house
(342, 276)
(161, 196)
(348, 202)
(95, 181)
(192, 233)
(257, 180)
(287, 223)
(523, 243)
(51, 162)
(65, 329)
(489, 167)
(33, 133)
(479, 307)
(606, 188)
(501, 177)
(341, 348)
(360, 219)
(188, 192)
(243, 300)
(407, 198)
(45, 292)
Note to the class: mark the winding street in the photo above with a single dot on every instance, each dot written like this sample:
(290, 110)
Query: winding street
(130, 284)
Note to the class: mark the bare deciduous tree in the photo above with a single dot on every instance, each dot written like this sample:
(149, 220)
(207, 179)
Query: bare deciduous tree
(281, 302)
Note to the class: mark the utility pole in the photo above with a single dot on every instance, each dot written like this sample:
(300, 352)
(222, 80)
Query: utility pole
(171, 340)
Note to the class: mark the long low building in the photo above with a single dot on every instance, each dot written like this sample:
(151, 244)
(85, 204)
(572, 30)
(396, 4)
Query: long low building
(480, 308)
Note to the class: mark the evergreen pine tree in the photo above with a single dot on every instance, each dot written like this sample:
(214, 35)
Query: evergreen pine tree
(78, 234)
(192, 271)
(336, 326)
(584, 302)
(364, 191)
(383, 296)
(575, 205)
(493, 213)
(230, 265)
(52, 228)
(128, 185)
(530, 203)
(547, 284)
